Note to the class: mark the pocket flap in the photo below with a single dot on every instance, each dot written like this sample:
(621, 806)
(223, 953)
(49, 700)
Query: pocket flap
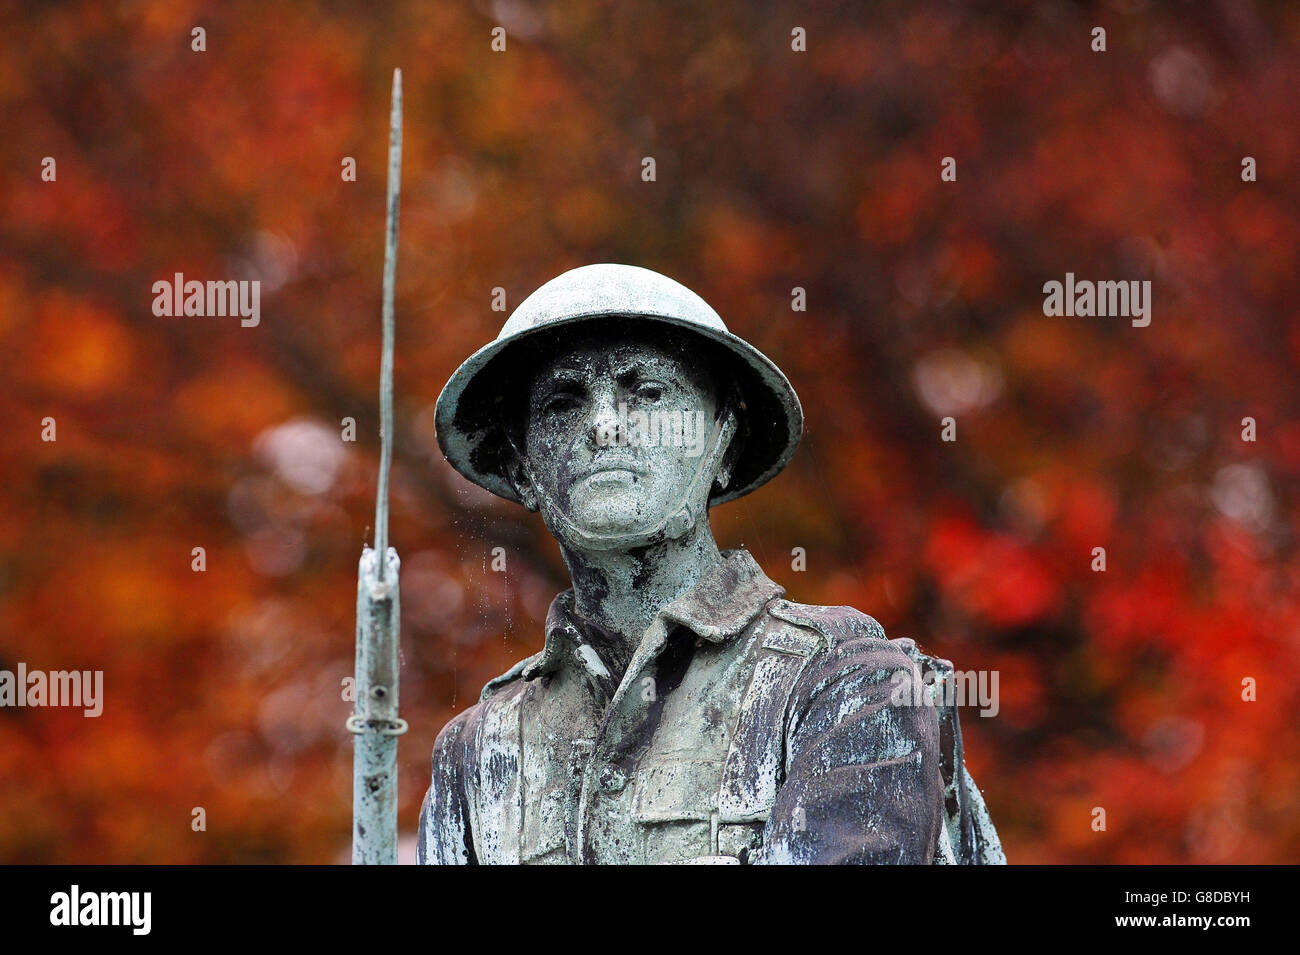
(684, 789)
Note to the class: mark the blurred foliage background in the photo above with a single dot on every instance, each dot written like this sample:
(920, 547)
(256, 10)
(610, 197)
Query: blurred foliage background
(775, 169)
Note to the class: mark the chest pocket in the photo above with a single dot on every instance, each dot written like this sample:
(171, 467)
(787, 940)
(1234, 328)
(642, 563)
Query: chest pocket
(675, 807)
(700, 808)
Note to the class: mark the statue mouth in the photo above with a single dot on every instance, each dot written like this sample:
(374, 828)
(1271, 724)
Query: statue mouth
(612, 466)
(606, 476)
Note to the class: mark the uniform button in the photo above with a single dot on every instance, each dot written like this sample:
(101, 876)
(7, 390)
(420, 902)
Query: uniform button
(612, 779)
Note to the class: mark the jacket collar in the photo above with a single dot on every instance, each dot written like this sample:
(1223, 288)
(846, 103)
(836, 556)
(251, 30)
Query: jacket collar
(723, 602)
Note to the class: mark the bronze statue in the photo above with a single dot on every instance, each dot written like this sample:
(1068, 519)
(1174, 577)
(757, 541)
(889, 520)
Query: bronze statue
(681, 709)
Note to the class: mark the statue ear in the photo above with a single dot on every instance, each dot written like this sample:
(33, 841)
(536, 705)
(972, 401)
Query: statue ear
(729, 458)
(517, 475)
(723, 477)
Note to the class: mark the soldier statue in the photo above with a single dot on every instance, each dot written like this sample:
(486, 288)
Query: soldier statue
(681, 710)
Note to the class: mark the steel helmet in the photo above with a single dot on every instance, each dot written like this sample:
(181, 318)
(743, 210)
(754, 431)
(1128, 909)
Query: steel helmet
(469, 417)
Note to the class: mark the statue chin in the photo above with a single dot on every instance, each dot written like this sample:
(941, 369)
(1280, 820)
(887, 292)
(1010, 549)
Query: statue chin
(613, 511)
(615, 523)
(618, 525)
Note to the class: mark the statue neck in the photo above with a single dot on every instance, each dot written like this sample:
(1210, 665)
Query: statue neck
(622, 591)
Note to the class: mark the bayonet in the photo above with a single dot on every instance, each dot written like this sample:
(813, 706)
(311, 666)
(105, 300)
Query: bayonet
(375, 721)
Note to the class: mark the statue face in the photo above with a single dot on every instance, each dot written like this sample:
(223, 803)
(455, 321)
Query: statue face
(616, 432)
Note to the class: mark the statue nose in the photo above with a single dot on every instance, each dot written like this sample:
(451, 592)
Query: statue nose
(604, 423)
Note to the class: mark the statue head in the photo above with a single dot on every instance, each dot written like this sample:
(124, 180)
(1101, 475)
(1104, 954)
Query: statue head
(616, 403)
(622, 434)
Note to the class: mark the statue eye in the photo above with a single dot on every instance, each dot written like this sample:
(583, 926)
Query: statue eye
(649, 390)
(559, 404)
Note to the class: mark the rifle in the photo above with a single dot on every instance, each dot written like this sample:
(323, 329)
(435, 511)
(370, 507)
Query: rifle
(374, 719)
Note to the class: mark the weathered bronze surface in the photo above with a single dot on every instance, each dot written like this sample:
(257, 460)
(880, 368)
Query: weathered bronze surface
(681, 710)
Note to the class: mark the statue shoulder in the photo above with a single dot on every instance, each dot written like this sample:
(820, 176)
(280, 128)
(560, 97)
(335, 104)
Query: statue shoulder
(838, 626)
(834, 625)
(464, 727)
(824, 629)
(492, 693)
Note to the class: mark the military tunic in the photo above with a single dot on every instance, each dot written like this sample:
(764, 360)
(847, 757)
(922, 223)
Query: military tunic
(746, 728)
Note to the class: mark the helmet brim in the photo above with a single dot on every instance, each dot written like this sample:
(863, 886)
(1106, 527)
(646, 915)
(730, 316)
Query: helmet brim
(471, 412)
